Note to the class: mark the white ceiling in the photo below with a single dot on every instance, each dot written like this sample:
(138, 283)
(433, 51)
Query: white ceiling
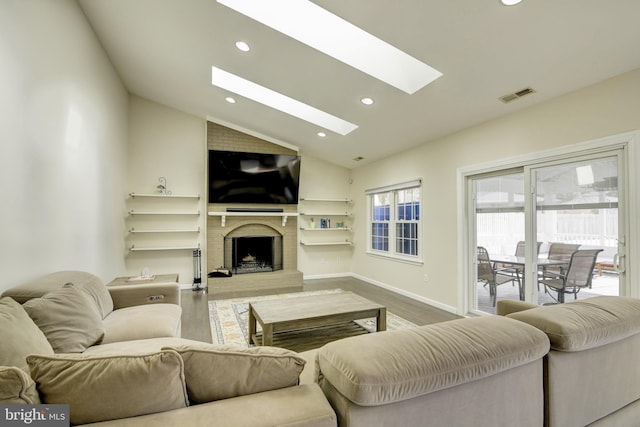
(164, 50)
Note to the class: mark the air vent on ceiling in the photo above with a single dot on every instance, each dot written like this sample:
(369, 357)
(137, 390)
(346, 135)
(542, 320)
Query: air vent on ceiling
(357, 159)
(516, 95)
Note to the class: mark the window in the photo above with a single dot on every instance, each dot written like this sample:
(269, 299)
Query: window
(395, 220)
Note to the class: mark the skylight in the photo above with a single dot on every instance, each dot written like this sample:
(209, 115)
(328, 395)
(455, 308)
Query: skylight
(273, 99)
(320, 29)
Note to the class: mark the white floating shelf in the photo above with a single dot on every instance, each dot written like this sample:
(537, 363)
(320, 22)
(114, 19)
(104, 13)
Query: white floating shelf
(326, 229)
(346, 243)
(223, 215)
(166, 196)
(133, 248)
(305, 199)
(325, 214)
(192, 230)
(132, 212)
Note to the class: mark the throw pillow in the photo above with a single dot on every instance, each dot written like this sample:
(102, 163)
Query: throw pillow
(68, 317)
(19, 336)
(16, 387)
(111, 387)
(215, 372)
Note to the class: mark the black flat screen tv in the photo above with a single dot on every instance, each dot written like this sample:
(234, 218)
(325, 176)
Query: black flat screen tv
(238, 177)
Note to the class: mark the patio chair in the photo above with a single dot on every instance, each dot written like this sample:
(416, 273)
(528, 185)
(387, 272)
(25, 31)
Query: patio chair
(578, 275)
(520, 248)
(490, 275)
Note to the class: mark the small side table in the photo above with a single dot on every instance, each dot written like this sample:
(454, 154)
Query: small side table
(158, 278)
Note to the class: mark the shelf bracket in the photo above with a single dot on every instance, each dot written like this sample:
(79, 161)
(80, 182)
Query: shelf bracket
(284, 220)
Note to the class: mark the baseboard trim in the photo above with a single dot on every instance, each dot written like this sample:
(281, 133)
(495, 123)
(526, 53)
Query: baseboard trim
(407, 294)
(399, 291)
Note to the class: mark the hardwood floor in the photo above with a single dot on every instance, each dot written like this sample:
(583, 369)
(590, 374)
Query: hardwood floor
(195, 312)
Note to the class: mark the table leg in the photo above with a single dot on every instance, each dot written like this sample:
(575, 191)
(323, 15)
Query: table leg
(252, 324)
(267, 334)
(381, 320)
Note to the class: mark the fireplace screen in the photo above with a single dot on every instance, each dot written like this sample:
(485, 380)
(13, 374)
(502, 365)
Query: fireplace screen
(256, 254)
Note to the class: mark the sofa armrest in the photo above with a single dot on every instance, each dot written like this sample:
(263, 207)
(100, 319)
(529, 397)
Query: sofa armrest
(508, 306)
(148, 293)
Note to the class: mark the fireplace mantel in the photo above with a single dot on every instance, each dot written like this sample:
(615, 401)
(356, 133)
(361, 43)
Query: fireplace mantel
(223, 215)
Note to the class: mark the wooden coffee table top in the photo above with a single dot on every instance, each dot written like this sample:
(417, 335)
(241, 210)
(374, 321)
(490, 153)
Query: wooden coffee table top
(310, 307)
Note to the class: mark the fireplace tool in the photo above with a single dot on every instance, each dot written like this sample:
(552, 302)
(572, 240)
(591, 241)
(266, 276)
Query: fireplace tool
(197, 281)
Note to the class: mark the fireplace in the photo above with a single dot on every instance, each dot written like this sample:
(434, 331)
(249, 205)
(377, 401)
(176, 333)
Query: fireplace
(248, 242)
(255, 254)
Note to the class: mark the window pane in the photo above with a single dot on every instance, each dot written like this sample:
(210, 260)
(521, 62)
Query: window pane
(381, 207)
(380, 236)
(407, 238)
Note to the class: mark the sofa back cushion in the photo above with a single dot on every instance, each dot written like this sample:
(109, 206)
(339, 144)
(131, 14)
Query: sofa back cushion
(585, 324)
(19, 336)
(215, 372)
(393, 366)
(104, 388)
(17, 387)
(40, 286)
(68, 317)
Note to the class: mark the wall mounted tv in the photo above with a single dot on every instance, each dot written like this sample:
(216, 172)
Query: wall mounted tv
(238, 177)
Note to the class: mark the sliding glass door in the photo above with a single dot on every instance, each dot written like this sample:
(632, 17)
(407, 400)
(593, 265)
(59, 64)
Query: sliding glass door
(577, 207)
(532, 219)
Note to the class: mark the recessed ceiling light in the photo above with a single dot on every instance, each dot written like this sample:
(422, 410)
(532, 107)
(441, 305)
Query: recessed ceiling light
(243, 46)
(230, 100)
(367, 101)
(321, 134)
(510, 2)
(320, 29)
(273, 99)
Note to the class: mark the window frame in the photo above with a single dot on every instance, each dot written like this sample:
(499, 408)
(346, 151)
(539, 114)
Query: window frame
(394, 221)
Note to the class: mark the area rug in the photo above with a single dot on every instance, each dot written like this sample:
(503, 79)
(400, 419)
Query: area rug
(229, 318)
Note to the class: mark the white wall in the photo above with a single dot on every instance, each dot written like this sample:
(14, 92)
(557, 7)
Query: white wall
(63, 134)
(322, 180)
(168, 143)
(607, 108)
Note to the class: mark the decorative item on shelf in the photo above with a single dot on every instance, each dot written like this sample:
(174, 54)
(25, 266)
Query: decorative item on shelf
(325, 223)
(312, 223)
(340, 224)
(162, 187)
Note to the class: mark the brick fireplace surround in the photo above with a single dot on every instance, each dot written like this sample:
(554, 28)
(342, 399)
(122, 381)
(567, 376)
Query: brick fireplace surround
(289, 279)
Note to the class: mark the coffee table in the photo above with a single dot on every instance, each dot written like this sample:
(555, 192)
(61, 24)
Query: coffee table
(291, 314)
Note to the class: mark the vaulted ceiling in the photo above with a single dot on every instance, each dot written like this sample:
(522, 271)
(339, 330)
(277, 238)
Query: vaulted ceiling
(164, 51)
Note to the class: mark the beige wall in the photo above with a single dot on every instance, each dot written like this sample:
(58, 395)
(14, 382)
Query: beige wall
(164, 142)
(63, 133)
(607, 108)
(322, 180)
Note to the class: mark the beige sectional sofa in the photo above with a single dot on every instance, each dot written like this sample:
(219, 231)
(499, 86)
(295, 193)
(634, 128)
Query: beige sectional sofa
(567, 365)
(468, 372)
(115, 356)
(592, 372)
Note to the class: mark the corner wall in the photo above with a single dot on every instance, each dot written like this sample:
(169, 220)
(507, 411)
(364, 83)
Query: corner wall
(63, 127)
(607, 108)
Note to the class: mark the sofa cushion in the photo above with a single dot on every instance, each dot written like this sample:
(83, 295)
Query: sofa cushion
(68, 317)
(40, 286)
(215, 372)
(580, 325)
(19, 336)
(111, 387)
(392, 366)
(17, 387)
(142, 321)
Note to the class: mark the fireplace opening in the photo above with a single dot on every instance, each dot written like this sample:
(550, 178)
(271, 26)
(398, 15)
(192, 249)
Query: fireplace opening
(256, 254)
